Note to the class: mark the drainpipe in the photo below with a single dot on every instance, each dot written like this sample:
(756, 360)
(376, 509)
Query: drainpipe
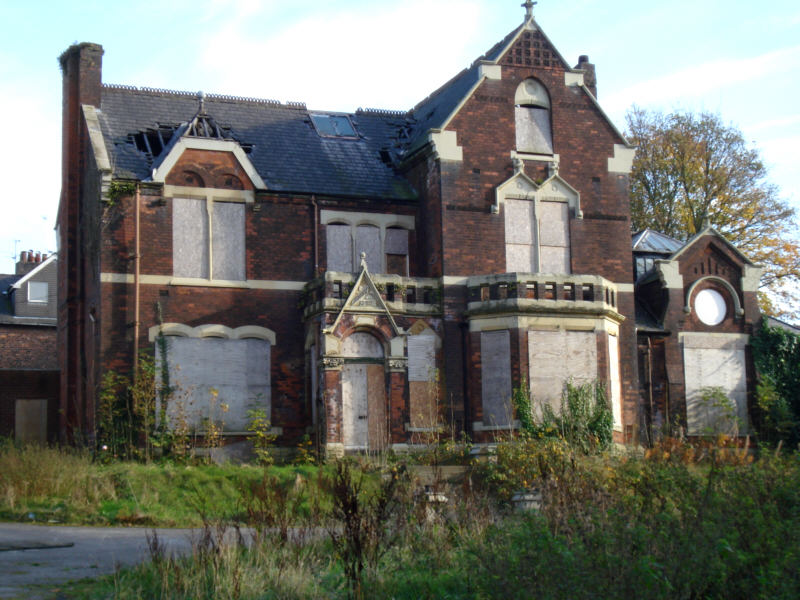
(464, 364)
(316, 234)
(136, 265)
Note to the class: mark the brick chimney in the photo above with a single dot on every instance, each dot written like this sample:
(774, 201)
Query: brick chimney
(28, 261)
(81, 68)
(590, 75)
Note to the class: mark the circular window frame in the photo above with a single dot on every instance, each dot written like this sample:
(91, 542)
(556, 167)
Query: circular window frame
(710, 307)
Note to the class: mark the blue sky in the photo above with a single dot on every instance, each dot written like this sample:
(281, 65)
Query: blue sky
(736, 58)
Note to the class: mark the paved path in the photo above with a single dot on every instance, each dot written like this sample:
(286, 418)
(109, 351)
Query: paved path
(50, 556)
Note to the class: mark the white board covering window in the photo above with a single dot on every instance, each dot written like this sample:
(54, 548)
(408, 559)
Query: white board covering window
(422, 380)
(556, 357)
(537, 243)
(228, 241)
(496, 378)
(237, 370)
(190, 238)
(532, 118)
(554, 237)
(521, 244)
(368, 241)
(715, 361)
(200, 251)
(339, 245)
(614, 378)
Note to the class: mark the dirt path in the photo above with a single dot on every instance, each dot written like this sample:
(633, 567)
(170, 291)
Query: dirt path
(36, 555)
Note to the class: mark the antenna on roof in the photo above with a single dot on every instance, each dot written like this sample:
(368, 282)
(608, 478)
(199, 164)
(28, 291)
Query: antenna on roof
(528, 5)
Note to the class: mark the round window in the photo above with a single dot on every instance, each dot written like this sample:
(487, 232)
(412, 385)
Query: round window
(710, 307)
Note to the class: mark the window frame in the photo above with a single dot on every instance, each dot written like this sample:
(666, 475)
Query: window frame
(31, 299)
(208, 242)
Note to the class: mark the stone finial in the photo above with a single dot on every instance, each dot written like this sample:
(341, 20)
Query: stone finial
(519, 166)
(554, 165)
(364, 261)
(528, 6)
(201, 98)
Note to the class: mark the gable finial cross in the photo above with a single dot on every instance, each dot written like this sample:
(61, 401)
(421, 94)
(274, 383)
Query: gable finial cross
(528, 5)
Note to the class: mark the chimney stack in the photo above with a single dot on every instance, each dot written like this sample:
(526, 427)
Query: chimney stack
(589, 75)
(28, 261)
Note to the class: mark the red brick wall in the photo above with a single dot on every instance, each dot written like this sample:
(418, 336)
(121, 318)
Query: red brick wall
(28, 347)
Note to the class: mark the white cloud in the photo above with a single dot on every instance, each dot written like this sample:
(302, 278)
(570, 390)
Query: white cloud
(339, 61)
(702, 80)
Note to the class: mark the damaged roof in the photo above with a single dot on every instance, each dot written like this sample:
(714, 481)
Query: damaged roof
(280, 139)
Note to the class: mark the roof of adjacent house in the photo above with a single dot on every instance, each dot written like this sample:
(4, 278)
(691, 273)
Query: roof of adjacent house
(6, 281)
(649, 240)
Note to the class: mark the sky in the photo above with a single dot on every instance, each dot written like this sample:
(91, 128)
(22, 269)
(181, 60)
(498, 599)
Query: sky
(735, 58)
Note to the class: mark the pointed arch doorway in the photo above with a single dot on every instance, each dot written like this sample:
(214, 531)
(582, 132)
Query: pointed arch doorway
(364, 425)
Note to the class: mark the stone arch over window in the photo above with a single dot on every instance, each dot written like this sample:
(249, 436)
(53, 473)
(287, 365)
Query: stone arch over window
(532, 117)
(211, 365)
(734, 297)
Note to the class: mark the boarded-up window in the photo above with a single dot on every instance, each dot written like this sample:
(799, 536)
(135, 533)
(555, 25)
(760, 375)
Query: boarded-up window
(520, 236)
(30, 421)
(715, 361)
(189, 238)
(422, 380)
(496, 378)
(614, 378)
(209, 372)
(555, 357)
(533, 130)
(340, 248)
(368, 241)
(554, 237)
(396, 246)
(228, 241)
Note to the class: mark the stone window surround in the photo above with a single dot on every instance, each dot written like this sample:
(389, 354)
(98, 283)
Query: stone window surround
(218, 331)
(383, 221)
(212, 330)
(737, 305)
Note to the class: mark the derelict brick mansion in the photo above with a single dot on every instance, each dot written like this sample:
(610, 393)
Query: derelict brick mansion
(366, 277)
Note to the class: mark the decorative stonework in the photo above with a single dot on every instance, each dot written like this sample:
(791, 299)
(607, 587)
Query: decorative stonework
(397, 364)
(331, 363)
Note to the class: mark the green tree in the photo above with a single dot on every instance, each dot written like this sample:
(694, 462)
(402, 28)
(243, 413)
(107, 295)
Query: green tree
(691, 170)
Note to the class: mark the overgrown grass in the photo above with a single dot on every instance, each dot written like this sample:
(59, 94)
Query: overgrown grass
(677, 522)
(65, 486)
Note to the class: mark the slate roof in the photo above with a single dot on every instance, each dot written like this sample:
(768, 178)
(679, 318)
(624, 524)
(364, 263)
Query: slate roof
(286, 150)
(649, 240)
(434, 110)
(6, 281)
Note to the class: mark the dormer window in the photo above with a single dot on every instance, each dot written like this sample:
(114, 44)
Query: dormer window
(338, 126)
(37, 291)
(532, 112)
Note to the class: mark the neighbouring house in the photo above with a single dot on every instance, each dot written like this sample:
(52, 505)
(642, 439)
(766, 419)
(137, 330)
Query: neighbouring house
(28, 356)
(366, 277)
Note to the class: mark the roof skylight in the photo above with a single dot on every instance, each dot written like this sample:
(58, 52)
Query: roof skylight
(334, 126)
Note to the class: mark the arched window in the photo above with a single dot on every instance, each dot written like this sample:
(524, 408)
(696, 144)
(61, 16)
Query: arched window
(532, 112)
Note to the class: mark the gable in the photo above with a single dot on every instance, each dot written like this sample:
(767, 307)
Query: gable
(533, 49)
(198, 162)
(209, 168)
